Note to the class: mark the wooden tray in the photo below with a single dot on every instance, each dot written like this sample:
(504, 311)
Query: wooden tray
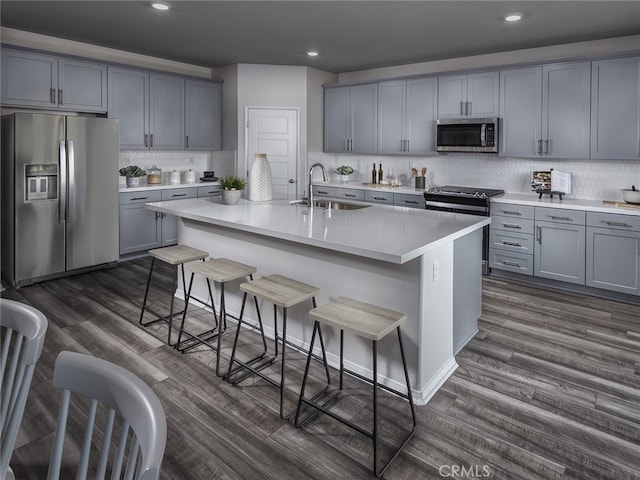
(622, 204)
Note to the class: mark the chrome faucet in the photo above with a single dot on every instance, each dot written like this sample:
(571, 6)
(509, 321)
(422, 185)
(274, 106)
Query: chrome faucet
(324, 177)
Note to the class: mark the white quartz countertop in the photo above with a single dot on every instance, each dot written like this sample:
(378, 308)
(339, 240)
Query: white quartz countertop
(163, 186)
(567, 202)
(381, 232)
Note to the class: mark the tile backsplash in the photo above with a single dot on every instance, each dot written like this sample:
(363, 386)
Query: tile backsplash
(221, 162)
(592, 179)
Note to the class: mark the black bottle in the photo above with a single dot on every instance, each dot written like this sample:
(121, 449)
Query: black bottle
(374, 175)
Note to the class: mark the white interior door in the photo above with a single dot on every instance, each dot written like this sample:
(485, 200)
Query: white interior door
(274, 131)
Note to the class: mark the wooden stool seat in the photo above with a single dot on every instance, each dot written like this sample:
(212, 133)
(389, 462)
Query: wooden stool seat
(281, 291)
(362, 319)
(372, 323)
(178, 254)
(221, 269)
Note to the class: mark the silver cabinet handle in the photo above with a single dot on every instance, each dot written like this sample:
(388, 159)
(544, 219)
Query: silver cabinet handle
(469, 110)
(511, 212)
(322, 192)
(346, 144)
(186, 142)
(151, 140)
(511, 225)
(555, 217)
(381, 198)
(60, 96)
(349, 195)
(52, 95)
(539, 234)
(616, 224)
(408, 145)
(411, 202)
(146, 140)
(546, 147)
(139, 198)
(461, 107)
(511, 244)
(178, 195)
(511, 264)
(539, 151)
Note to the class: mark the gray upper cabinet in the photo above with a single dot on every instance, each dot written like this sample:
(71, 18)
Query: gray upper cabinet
(407, 111)
(351, 119)
(203, 122)
(615, 108)
(43, 81)
(545, 111)
(473, 95)
(150, 107)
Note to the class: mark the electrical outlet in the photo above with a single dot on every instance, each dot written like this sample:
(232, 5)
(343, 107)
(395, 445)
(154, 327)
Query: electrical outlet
(436, 271)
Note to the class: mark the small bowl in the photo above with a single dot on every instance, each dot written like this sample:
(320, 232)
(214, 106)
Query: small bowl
(631, 196)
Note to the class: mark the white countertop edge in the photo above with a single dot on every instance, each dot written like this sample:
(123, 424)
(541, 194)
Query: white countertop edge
(165, 186)
(567, 203)
(169, 208)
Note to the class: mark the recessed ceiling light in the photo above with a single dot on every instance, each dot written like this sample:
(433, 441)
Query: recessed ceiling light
(161, 5)
(312, 54)
(513, 17)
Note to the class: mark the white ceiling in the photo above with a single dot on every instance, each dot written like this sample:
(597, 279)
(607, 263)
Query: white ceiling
(350, 35)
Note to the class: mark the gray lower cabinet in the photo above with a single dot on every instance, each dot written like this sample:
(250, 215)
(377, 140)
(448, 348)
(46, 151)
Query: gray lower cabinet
(324, 191)
(349, 193)
(142, 229)
(511, 245)
(139, 227)
(613, 252)
(559, 251)
(210, 191)
(376, 196)
(409, 200)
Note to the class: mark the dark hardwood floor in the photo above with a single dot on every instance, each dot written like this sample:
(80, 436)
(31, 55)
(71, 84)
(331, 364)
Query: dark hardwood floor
(549, 389)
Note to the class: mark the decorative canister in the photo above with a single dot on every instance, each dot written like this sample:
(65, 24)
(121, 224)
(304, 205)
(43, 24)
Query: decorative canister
(190, 176)
(154, 176)
(174, 178)
(260, 187)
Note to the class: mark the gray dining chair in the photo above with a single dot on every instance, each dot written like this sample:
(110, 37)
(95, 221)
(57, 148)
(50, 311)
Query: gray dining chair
(125, 429)
(23, 329)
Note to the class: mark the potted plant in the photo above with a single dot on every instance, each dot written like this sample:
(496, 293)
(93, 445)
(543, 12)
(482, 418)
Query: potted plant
(133, 174)
(344, 171)
(232, 187)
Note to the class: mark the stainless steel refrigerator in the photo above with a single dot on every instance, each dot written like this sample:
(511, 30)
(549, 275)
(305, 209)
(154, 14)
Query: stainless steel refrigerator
(59, 195)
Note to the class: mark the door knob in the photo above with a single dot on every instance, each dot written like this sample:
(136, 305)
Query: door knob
(291, 180)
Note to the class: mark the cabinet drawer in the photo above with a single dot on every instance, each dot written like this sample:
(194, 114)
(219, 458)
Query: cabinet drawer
(351, 194)
(512, 224)
(408, 200)
(322, 191)
(612, 220)
(210, 191)
(512, 242)
(560, 215)
(378, 197)
(509, 210)
(127, 198)
(179, 193)
(511, 261)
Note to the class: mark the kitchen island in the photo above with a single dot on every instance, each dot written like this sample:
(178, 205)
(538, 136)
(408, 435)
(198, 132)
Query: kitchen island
(414, 261)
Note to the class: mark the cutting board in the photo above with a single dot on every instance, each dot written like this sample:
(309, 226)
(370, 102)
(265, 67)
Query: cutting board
(377, 185)
(622, 204)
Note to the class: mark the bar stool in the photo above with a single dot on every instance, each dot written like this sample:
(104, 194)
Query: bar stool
(372, 323)
(282, 292)
(174, 255)
(220, 270)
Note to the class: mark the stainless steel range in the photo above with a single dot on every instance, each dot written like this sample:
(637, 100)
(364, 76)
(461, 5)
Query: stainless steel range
(468, 200)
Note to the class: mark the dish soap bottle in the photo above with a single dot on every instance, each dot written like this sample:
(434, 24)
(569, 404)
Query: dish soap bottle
(374, 175)
(380, 175)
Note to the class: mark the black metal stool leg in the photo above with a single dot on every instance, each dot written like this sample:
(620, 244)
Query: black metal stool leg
(184, 313)
(146, 293)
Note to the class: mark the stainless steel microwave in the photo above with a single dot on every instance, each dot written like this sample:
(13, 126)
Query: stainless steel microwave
(467, 135)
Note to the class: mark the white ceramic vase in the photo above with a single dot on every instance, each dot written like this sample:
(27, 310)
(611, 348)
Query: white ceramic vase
(133, 181)
(260, 184)
(231, 197)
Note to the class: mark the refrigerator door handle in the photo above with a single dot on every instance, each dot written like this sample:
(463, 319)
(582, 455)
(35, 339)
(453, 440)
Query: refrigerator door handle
(62, 188)
(72, 186)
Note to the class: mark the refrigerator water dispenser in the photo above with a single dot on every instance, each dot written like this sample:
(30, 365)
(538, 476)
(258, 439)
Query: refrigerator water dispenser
(41, 182)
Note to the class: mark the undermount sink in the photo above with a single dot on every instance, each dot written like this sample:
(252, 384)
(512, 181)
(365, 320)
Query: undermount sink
(334, 204)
